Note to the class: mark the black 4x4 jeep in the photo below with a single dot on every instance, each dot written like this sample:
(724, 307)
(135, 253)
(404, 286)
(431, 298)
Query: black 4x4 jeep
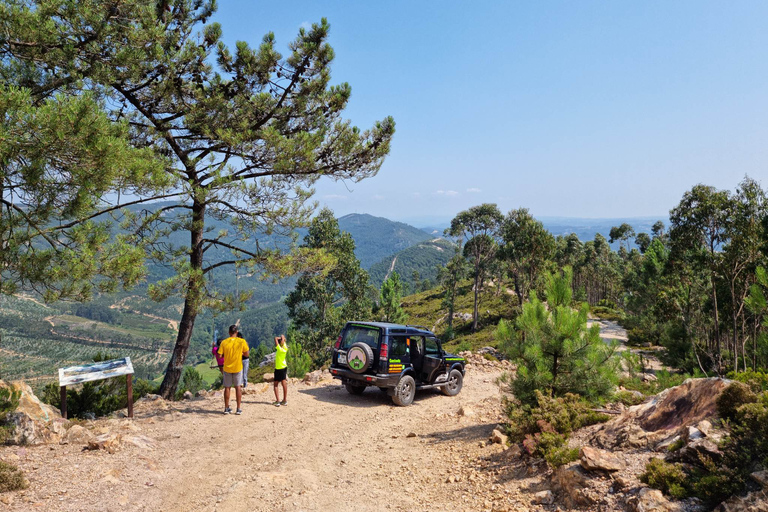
(399, 359)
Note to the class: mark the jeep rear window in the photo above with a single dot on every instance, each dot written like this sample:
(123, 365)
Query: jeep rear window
(356, 334)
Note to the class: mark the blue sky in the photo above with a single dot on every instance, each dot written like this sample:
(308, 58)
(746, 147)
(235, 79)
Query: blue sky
(577, 109)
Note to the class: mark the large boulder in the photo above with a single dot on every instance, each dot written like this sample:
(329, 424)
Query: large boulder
(33, 422)
(753, 502)
(696, 452)
(269, 360)
(594, 459)
(651, 500)
(570, 483)
(647, 424)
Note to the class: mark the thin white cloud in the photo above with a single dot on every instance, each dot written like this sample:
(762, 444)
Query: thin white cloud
(378, 197)
(335, 197)
(451, 193)
(473, 190)
(306, 25)
(416, 194)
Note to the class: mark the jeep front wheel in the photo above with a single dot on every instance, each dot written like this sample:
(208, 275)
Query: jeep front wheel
(354, 389)
(404, 391)
(453, 386)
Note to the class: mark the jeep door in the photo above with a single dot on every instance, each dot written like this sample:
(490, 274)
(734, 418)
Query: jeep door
(399, 358)
(433, 360)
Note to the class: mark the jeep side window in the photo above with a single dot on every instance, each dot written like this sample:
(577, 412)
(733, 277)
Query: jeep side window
(431, 346)
(397, 346)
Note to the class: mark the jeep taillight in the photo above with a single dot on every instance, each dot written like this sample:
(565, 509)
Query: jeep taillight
(383, 351)
(338, 343)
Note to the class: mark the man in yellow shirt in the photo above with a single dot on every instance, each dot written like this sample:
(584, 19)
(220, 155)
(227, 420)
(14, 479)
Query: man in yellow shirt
(234, 349)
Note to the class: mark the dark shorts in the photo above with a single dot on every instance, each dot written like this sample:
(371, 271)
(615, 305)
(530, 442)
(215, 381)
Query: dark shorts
(281, 375)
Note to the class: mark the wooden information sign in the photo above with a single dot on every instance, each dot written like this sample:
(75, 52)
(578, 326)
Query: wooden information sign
(96, 371)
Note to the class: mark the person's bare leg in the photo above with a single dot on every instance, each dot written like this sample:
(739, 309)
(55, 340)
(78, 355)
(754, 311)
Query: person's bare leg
(238, 395)
(226, 397)
(277, 395)
(285, 391)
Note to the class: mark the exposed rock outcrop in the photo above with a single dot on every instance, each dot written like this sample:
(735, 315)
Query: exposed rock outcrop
(33, 422)
(647, 424)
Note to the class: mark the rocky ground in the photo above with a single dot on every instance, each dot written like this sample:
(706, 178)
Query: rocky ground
(329, 450)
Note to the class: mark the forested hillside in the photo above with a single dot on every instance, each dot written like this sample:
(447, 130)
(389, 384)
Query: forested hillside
(377, 237)
(416, 265)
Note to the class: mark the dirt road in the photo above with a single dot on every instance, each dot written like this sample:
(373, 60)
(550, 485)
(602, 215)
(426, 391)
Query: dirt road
(327, 450)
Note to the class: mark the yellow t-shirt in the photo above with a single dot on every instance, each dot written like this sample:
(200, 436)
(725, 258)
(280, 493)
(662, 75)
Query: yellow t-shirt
(232, 349)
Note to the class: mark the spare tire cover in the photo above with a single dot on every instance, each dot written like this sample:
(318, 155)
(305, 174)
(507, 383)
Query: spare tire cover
(359, 357)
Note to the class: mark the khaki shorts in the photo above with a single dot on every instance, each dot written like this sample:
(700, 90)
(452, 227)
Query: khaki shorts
(233, 380)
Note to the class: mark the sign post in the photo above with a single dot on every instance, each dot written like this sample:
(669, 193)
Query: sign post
(96, 371)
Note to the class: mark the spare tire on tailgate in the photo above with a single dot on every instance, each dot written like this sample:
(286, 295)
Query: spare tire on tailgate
(359, 357)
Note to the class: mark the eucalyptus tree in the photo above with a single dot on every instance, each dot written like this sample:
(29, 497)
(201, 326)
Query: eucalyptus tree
(479, 228)
(699, 227)
(622, 234)
(450, 276)
(527, 248)
(247, 132)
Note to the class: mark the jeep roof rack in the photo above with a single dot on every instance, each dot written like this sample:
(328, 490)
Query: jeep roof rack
(418, 327)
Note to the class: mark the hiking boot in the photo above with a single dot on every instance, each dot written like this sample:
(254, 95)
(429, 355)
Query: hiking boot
(227, 410)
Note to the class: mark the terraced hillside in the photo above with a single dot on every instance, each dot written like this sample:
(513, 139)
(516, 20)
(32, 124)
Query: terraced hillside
(37, 339)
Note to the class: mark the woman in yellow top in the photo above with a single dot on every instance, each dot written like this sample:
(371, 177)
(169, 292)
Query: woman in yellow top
(281, 370)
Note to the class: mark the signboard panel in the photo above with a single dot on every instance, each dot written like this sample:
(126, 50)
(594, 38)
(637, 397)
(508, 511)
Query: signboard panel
(95, 371)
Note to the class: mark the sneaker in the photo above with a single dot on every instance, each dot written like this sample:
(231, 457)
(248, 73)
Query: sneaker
(227, 410)
(276, 403)
(283, 403)
(239, 411)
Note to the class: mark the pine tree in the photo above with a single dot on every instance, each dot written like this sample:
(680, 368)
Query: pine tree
(555, 351)
(247, 132)
(337, 292)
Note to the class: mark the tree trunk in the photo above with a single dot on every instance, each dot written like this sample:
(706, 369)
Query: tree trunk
(518, 291)
(718, 358)
(477, 290)
(191, 301)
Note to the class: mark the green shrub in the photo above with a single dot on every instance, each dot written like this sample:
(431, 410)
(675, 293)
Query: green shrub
(191, 381)
(564, 415)
(100, 398)
(299, 361)
(11, 478)
(464, 346)
(628, 398)
(733, 397)
(757, 381)
(668, 478)
(676, 445)
(561, 456)
(9, 401)
(489, 357)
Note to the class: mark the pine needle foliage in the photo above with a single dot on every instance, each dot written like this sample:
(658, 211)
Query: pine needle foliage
(555, 351)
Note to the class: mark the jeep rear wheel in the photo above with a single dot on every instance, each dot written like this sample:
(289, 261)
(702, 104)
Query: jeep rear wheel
(453, 386)
(354, 389)
(404, 391)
